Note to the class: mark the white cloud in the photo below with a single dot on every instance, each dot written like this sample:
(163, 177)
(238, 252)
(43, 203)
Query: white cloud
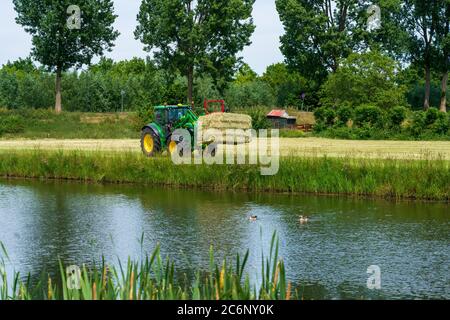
(15, 43)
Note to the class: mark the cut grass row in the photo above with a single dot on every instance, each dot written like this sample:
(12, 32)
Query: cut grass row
(303, 147)
(391, 178)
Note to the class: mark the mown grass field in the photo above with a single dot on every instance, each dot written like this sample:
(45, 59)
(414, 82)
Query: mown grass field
(390, 178)
(297, 147)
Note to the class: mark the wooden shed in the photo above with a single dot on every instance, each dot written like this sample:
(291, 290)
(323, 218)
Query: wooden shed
(280, 119)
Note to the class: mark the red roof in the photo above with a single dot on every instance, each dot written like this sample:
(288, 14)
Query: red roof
(278, 113)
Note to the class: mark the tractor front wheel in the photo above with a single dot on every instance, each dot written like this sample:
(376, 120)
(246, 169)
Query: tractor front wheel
(150, 143)
(173, 146)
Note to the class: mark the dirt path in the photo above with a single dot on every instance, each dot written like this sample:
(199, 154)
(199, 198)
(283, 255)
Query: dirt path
(288, 146)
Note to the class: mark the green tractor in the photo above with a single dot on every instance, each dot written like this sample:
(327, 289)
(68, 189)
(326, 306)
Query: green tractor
(157, 136)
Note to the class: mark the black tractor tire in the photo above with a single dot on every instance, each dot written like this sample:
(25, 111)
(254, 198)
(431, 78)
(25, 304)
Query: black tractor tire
(150, 143)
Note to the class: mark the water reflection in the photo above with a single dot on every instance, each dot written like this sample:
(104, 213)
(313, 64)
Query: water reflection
(327, 258)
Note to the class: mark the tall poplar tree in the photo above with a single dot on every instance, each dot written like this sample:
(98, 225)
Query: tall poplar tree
(202, 35)
(67, 33)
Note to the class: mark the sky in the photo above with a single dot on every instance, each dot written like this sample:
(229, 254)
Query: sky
(16, 43)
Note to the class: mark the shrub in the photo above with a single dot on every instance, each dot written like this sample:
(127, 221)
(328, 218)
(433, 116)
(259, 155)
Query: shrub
(442, 124)
(340, 133)
(430, 123)
(417, 123)
(325, 116)
(319, 127)
(259, 119)
(431, 115)
(368, 116)
(344, 114)
(145, 115)
(11, 123)
(396, 116)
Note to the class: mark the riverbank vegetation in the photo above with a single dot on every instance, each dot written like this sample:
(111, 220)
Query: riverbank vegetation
(391, 178)
(154, 278)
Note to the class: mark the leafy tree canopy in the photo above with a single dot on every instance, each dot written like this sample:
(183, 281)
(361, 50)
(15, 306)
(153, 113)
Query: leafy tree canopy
(57, 46)
(368, 78)
(203, 35)
(60, 47)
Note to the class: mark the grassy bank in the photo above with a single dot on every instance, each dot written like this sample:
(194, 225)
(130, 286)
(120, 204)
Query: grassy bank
(46, 124)
(412, 179)
(154, 279)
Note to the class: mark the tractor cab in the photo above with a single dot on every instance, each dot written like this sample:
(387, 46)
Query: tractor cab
(169, 115)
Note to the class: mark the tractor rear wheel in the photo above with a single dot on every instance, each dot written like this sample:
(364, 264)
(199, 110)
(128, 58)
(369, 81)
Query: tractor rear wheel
(150, 143)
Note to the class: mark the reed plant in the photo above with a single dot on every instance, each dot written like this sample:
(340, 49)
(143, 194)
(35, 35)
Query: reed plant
(153, 278)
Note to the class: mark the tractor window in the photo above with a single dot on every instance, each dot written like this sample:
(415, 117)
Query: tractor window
(176, 114)
(159, 116)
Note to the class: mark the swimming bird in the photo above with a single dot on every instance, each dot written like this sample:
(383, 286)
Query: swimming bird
(304, 219)
(253, 218)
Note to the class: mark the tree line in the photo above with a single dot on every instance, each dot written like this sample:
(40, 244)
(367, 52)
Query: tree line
(332, 57)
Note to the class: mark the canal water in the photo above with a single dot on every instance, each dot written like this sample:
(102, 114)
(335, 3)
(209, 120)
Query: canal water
(327, 258)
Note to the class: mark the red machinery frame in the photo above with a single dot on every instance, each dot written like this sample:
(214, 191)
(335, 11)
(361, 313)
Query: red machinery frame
(206, 104)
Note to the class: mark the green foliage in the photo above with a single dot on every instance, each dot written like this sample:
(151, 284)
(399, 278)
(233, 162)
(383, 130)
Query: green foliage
(367, 78)
(344, 114)
(154, 278)
(288, 133)
(25, 87)
(146, 115)
(397, 178)
(416, 94)
(259, 118)
(368, 116)
(205, 89)
(417, 124)
(429, 124)
(433, 121)
(431, 115)
(249, 94)
(396, 116)
(287, 85)
(11, 123)
(325, 116)
(441, 125)
(58, 47)
(54, 44)
(318, 35)
(245, 75)
(202, 35)
(44, 123)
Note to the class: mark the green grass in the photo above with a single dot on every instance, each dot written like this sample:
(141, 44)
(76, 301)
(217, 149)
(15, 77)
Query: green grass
(153, 279)
(46, 124)
(287, 133)
(411, 179)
